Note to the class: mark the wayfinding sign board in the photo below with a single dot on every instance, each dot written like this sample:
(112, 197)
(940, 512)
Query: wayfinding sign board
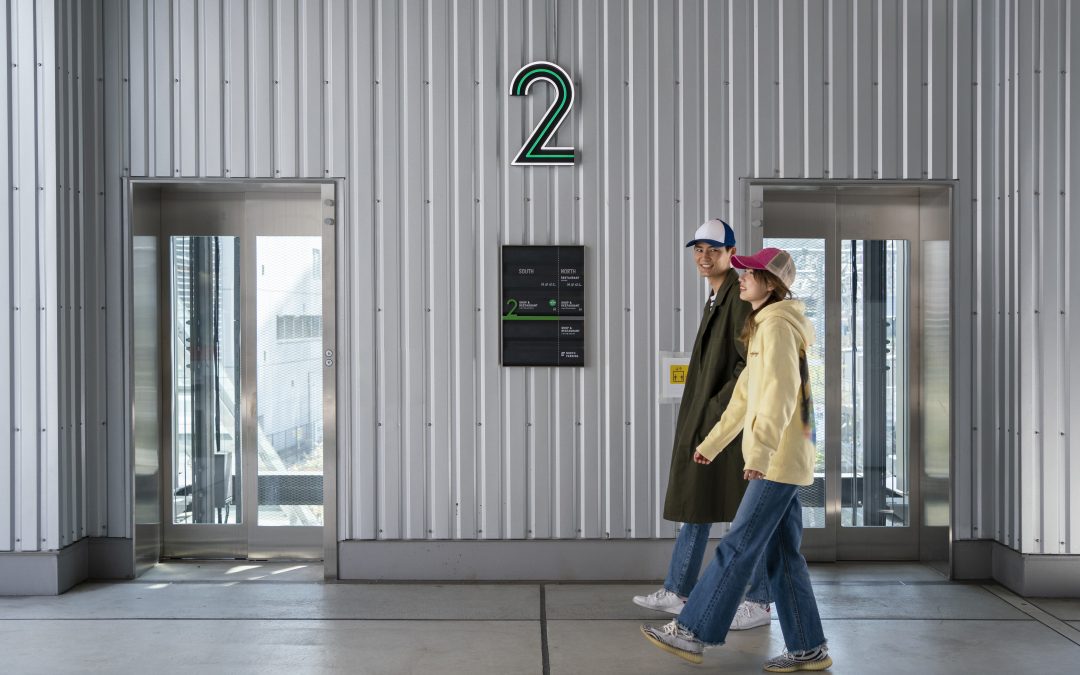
(543, 305)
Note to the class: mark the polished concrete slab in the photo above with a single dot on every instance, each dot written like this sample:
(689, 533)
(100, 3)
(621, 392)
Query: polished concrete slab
(237, 570)
(1061, 608)
(228, 600)
(156, 646)
(230, 618)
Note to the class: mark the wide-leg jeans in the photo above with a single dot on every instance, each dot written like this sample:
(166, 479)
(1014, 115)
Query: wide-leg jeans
(767, 526)
(688, 556)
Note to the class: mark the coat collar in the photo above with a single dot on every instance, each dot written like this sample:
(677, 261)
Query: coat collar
(731, 283)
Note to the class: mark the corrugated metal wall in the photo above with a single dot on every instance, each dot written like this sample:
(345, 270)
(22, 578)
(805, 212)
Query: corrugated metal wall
(1025, 480)
(676, 101)
(47, 196)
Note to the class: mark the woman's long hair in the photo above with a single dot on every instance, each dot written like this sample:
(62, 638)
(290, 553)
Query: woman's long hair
(780, 291)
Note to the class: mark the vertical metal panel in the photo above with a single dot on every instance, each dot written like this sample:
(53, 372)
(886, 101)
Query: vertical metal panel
(286, 72)
(792, 102)
(566, 227)
(411, 310)
(360, 391)
(840, 122)
(815, 132)
(766, 88)
(389, 375)
(311, 87)
(236, 38)
(592, 206)
(162, 87)
(948, 35)
(210, 86)
(887, 86)
(440, 302)
(337, 111)
(7, 307)
(1071, 269)
(644, 455)
(913, 88)
(261, 96)
(462, 84)
(25, 219)
(864, 89)
(190, 53)
(119, 98)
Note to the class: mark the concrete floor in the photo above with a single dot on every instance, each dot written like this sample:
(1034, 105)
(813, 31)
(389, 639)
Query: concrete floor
(268, 618)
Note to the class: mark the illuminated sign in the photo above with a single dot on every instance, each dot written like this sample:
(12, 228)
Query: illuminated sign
(536, 151)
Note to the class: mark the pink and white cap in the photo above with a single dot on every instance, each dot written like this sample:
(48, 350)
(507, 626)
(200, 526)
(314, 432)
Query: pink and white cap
(775, 260)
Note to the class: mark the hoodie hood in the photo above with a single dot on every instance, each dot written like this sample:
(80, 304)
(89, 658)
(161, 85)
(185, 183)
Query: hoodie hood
(792, 311)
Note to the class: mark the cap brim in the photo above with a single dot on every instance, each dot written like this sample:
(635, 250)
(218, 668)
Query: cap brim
(746, 262)
(710, 242)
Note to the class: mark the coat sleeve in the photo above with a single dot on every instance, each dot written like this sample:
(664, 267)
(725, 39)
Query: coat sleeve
(778, 394)
(739, 312)
(730, 424)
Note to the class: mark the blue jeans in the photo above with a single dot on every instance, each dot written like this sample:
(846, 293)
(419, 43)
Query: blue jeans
(768, 525)
(686, 564)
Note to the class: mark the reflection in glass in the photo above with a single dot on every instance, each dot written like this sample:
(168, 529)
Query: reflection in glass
(205, 335)
(874, 383)
(289, 380)
(809, 287)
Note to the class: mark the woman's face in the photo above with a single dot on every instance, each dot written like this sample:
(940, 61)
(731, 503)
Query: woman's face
(752, 289)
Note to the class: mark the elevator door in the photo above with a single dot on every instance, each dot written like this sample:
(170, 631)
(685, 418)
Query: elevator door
(246, 362)
(859, 255)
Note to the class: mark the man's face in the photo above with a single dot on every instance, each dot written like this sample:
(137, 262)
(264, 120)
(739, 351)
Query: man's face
(712, 262)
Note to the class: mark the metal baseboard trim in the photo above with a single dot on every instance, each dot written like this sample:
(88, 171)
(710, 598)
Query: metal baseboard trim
(515, 560)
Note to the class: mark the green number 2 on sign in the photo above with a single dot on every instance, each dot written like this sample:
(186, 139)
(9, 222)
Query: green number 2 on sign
(535, 151)
(513, 307)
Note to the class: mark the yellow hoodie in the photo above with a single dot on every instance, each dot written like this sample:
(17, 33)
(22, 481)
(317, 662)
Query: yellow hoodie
(766, 400)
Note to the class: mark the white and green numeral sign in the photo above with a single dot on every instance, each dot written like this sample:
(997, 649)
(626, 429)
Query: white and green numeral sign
(536, 151)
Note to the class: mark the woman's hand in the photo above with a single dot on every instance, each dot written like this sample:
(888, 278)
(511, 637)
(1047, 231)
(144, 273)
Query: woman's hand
(701, 459)
(750, 474)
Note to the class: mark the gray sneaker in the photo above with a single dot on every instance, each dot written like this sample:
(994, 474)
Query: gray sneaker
(789, 662)
(674, 639)
(662, 600)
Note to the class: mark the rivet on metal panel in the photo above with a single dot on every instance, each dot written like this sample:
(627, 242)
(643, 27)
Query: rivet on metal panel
(326, 81)
(678, 309)
(528, 424)
(527, 199)
(428, 201)
(479, 424)
(328, 202)
(226, 81)
(328, 221)
(429, 424)
(376, 81)
(826, 83)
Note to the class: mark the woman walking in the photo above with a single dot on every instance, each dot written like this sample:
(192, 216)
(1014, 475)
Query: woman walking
(772, 407)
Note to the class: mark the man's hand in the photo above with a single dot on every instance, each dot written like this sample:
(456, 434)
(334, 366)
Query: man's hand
(701, 459)
(750, 474)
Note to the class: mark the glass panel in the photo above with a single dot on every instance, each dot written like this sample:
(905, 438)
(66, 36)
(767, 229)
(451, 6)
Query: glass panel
(205, 335)
(874, 383)
(809, 257)
(936, 339)
(289, 380)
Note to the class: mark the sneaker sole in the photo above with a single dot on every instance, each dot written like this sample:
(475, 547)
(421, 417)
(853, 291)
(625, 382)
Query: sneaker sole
(673, 612)
(814, 665)
(681, 653)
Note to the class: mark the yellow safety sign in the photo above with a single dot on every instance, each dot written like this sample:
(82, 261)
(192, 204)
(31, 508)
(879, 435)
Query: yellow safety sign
(678, 373)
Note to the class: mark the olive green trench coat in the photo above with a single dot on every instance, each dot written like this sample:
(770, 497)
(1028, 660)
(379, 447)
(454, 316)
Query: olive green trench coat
(709, 493)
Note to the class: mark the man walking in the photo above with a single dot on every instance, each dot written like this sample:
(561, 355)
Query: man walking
(699, 495)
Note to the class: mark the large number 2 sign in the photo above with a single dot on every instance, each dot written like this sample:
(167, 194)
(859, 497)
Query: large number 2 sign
(535, 151)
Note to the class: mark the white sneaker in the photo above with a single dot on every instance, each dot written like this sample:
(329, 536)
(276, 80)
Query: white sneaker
(751, 615)
(662, 600)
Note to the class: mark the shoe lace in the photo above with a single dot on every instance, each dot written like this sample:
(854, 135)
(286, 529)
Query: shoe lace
(660, 594)
(673, 628)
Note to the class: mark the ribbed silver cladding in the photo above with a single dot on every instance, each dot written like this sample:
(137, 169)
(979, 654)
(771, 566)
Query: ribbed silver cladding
(407, 101)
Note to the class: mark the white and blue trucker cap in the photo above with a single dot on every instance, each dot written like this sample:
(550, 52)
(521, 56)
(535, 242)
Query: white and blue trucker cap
(714, 232)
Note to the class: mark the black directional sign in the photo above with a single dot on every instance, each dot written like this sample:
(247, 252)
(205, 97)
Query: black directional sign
(543, 305)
